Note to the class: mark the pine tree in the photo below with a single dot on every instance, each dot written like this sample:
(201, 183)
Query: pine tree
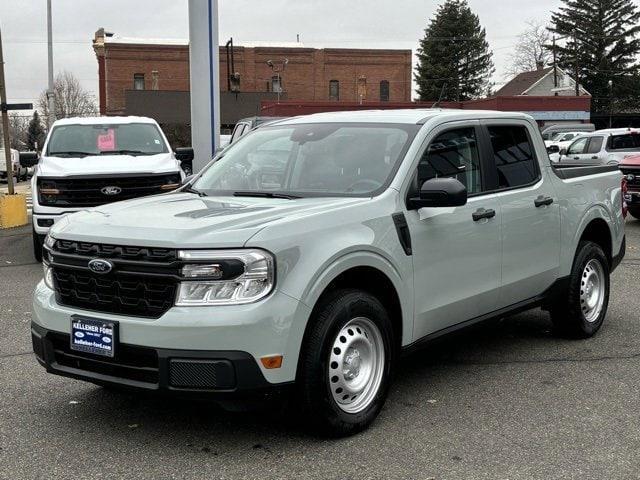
(35, 133)
(454, 60)
(602, 36)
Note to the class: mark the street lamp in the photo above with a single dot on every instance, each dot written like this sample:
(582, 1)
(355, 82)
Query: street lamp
(278, 69)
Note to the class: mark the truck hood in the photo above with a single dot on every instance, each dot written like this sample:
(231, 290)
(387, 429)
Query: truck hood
(186, 220)
(106, 164)
(631, 161)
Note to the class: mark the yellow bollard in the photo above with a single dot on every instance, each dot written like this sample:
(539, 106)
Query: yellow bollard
(13, 210)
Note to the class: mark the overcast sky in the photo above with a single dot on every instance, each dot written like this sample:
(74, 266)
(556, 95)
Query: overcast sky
(331, 23)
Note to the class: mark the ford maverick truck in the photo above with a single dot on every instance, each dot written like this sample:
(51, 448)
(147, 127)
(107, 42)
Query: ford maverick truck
(312, 252)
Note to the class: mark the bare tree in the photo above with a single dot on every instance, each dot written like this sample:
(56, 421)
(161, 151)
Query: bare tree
(532, 49)
(72, 100)
(18, 125)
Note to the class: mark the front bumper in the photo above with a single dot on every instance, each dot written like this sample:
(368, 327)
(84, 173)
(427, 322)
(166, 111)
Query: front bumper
(151, 369)
(228, 340)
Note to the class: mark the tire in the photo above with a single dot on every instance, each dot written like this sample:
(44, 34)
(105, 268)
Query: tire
(581, 312)
(38, 241)
(329, 371)
(635, 213)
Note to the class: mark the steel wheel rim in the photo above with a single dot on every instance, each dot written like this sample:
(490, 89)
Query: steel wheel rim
(356, 365)
(592, 290)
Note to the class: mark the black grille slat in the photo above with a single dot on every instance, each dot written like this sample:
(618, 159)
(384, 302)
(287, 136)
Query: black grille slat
(144, 297)
(86, 192)
(144, 283)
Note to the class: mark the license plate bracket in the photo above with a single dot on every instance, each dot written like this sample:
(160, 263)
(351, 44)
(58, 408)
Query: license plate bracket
(93, 335)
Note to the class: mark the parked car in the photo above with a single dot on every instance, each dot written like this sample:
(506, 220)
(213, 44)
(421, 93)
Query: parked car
(18, 171)
(87, 162)
(564, 139)
(550, 130)
(318, 249)
(630, 168)
(602, 147)
(246, 125)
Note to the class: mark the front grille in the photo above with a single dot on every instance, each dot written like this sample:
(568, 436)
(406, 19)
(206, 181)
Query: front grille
(133, 363)
(632, 185)
(143, 281)
(145, 254)
(88, 192)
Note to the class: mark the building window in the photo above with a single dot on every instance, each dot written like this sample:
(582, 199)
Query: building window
(362, 88)
(276, 84)
(384, 91)
(138, 81)
(334, 90)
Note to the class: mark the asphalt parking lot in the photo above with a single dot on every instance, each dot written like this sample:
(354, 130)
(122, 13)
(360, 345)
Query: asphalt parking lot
(505, 400)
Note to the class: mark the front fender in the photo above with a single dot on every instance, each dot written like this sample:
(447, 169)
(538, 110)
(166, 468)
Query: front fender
(346, 260)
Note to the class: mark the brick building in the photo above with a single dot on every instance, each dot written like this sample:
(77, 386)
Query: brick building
(335, 74)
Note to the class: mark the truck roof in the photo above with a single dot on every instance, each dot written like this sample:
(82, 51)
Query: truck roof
(102, 120)
(406, 116)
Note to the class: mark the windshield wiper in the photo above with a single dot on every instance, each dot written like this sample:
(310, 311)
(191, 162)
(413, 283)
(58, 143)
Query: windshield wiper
(71, 153)
(190, 189)
(125, 152)
(265, 195)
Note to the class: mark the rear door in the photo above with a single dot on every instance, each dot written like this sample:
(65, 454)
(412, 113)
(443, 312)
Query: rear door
(455, 251)
(530, 211)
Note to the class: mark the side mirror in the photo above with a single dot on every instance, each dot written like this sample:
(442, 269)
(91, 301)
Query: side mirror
(553, 149)
(184, 153)
(29, 159)
(563, 152)
(440, 192)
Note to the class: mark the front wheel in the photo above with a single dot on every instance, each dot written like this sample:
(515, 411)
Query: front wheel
(346, 363)
(635, 213)
(581, 312)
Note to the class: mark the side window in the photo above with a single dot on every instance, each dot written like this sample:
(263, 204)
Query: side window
(595, 145)
(453, 154)
(514, 156)
(578, 147)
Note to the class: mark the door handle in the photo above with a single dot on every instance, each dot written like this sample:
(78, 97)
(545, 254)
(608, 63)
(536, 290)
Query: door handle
(542, 201)
(482, 213)
(594, 158)
(576, 158)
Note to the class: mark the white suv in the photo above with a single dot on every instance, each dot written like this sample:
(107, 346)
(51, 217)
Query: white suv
(603, 147)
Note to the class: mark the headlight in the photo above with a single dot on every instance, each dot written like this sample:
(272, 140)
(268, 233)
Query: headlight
(225, 277)
(48, 275)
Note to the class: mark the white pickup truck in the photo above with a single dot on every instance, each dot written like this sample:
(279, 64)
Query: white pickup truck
(91, 161)
(316, 249)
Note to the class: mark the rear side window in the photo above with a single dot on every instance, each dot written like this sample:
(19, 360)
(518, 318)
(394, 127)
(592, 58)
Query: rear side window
(625, 142)
(595, 145)
(513, 155)
(453, 154)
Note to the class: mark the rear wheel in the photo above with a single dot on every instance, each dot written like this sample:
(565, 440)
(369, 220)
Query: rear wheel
(346, 363)
(581, 312)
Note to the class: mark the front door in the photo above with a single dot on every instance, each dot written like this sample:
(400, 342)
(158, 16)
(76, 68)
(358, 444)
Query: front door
(456, 258)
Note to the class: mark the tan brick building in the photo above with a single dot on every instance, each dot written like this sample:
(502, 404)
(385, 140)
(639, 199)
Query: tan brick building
(311, 74)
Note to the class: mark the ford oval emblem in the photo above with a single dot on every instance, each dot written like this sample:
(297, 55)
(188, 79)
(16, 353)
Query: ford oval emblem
(631, 177)
(111, 190)
(100, 266)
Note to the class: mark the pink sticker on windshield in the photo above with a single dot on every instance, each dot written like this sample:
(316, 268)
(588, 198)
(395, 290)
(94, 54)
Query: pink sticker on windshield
(107, 141)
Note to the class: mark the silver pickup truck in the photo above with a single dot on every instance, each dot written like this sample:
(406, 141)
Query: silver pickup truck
(315, 250)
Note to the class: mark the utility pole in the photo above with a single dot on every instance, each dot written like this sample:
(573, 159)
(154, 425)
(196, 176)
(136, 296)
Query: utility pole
(5, 123)
(576, 62)
(555, 68)
(50, 92)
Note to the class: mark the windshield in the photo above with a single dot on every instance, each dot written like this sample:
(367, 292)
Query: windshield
(323, 159)
(106, 139)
